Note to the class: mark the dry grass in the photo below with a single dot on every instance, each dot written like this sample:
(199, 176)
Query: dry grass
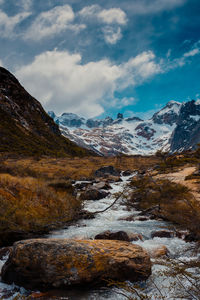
(37, 192)
(176, 202)
(29, 204)
(73, 168)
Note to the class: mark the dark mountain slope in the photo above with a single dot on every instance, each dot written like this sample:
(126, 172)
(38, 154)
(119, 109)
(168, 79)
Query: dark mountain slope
(187, 132)
(25, 128)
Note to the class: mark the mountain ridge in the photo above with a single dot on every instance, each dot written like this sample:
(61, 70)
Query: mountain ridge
(25, 127)
(135, 136)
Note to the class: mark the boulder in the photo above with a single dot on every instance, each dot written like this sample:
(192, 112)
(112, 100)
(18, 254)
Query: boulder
(126, 173)
(102, 185)
(141, 218)
(119, 235)
(4, 252)
(82, 185)
(93, 194)
(158, 251)
(111, 179)
(130, 218)
(108, 235)
(182, 234)
(162, 234)
(47, 263)
(106, 171)
(134, 236)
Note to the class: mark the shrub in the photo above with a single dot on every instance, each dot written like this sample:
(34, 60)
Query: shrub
(174, 201)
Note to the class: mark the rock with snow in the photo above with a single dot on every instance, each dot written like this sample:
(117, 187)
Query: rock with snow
(169, 114)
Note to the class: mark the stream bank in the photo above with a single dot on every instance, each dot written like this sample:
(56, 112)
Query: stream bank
(116, 219)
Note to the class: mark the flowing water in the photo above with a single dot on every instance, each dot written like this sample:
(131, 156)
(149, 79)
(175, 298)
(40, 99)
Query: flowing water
(157, 284)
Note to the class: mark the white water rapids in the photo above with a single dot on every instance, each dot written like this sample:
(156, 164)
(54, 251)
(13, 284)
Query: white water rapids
(111, 220)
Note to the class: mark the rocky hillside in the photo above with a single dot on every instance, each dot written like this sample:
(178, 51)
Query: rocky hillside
(25, 127)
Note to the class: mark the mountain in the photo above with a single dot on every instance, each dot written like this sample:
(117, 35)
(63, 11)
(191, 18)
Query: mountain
(25, 127)
(123, 135)
(187, 132)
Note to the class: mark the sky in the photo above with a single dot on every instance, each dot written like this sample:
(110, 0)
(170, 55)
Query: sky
(98, 58)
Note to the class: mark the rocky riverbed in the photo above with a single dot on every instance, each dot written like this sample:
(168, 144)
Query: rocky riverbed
(158, 238)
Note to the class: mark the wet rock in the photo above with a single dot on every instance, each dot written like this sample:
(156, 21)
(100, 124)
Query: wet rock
(135, 218)
(108, 235)
(4, 252)
(182, 234)
(38, 295)
(84, 214)
(191, 237)
(119, 235)
(134, 236)
(102, 185)
(162, 234)
(141, 218)
(129, 218)
(107, 170)
(82, 185)
(158, 251)
(112, 179)
(126, 173)
(93, 194)
(65, 262)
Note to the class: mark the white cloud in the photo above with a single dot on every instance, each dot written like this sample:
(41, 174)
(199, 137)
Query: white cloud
(8, 23)
(63, 83)
(114, 17)
(1, 63)
(192, 52)
(106, 16)
(185, 58)
(1, 2)
(112, 35)
(120, 103)
(52, 22)
(90, 11)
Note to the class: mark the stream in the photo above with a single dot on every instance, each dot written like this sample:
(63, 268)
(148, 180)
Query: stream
(112, 220)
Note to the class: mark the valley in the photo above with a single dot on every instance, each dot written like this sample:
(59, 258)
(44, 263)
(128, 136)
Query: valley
(97, 209)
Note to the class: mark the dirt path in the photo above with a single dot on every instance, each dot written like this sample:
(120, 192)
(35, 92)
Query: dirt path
(179, 177)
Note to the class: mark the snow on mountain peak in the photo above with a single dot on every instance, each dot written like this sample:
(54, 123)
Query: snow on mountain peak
(168, 114)
(133, 135)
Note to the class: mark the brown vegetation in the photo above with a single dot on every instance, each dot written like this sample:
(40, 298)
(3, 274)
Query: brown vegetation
(29, 204)
(37, 194)
(172, 201)
(71, 167)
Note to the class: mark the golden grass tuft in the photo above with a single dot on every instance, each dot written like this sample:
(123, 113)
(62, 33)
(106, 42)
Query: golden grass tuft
(29, 204)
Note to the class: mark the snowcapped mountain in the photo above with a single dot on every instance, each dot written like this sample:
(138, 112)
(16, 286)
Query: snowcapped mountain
(187, 132)
(166, 131)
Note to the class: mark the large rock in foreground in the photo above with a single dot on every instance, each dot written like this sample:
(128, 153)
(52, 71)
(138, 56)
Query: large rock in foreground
(65, 262)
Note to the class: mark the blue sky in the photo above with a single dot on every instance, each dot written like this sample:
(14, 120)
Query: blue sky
(97, 58)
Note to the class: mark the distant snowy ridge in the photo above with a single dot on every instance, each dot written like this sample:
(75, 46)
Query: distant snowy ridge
(132, 135)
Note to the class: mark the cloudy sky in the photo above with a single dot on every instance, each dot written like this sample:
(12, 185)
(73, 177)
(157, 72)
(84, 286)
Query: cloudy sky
(97, 58)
